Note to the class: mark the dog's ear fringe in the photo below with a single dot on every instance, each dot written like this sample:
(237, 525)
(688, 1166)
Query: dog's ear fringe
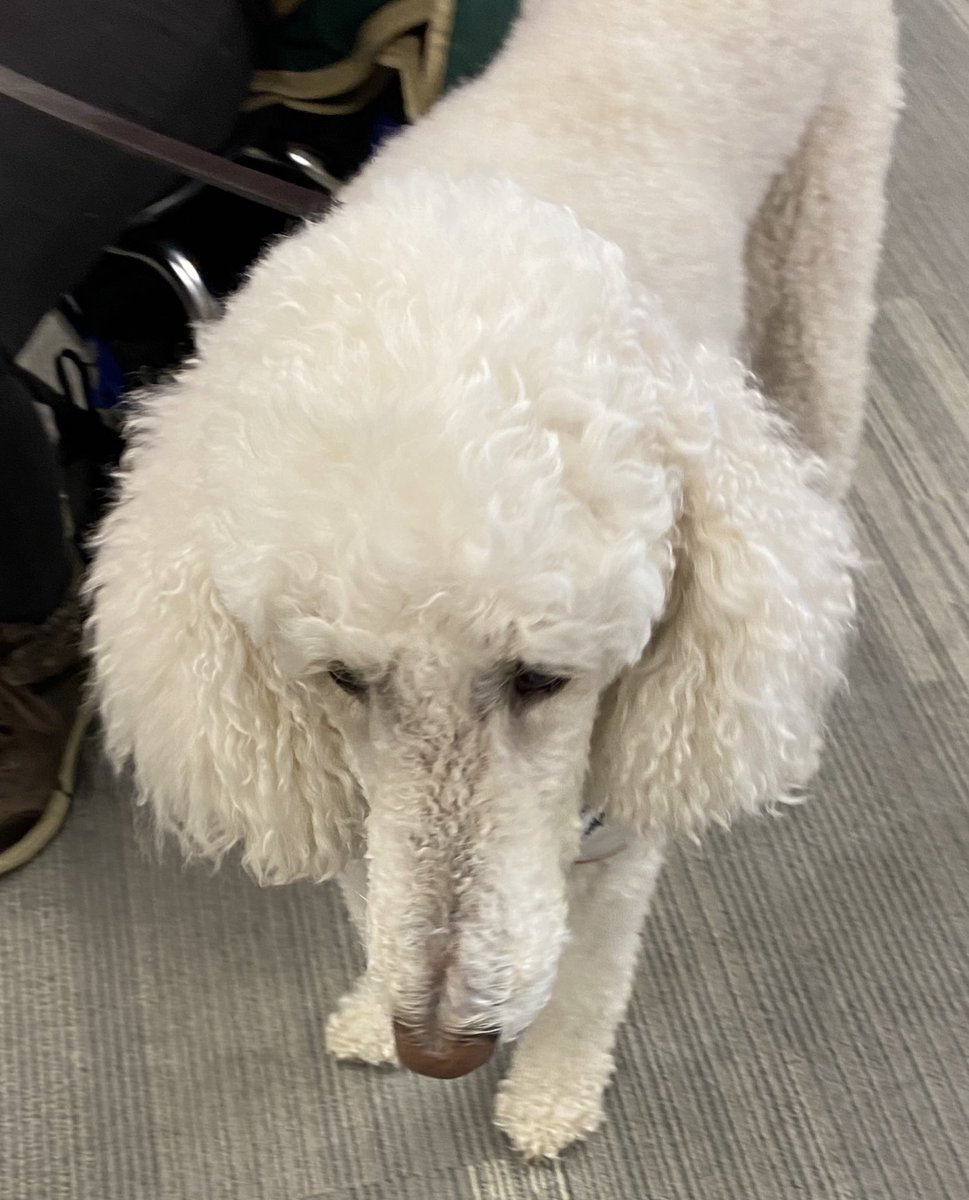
(723, 715)
(225, 752)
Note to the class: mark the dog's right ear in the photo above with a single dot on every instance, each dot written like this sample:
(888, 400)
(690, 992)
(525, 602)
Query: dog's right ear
(225, 750)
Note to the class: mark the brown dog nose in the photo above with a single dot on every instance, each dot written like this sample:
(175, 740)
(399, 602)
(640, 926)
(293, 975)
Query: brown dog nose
(447, 1057)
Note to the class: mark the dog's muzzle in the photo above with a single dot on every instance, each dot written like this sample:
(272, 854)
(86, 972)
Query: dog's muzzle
(447, 1056)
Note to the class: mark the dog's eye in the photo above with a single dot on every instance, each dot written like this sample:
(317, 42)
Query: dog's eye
(347, 680)
(529, 684)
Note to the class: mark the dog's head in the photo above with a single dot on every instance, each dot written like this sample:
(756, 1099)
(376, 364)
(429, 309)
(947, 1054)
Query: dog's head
(445, 535)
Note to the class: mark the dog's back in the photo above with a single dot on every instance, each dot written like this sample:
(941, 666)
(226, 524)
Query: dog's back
(659, 122)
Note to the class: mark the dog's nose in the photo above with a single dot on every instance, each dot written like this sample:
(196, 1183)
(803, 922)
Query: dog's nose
(446, 1057)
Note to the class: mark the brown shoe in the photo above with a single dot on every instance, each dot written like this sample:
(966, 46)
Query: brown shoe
(32, 653)
(42, 724)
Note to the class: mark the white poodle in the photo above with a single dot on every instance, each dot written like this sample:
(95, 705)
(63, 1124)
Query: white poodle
(468, 526)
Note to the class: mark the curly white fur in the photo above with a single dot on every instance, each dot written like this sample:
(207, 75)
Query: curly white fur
(493, 412)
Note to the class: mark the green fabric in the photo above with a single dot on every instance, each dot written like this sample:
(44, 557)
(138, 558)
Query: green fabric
(480, 27)
(322, 32)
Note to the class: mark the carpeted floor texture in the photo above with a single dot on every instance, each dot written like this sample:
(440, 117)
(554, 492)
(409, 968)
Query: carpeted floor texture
(800, 1026)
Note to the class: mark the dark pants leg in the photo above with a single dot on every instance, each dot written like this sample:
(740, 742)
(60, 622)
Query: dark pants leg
(179, 66)
(34, 570)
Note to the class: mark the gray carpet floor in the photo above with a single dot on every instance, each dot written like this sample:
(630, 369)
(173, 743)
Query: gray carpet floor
(800, 1026)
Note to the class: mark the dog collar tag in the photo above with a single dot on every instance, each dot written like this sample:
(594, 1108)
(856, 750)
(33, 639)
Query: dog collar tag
(599, 839)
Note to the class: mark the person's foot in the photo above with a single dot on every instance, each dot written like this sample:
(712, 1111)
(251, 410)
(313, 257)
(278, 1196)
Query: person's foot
(42, 722)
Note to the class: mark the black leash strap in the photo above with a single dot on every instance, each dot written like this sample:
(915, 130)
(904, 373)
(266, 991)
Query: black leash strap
(178, 156)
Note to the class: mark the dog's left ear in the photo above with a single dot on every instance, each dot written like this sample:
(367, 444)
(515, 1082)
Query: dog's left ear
(722, 715)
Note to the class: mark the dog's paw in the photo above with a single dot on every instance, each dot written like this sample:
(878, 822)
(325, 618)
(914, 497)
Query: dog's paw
(360, 1030)
(544, 1110)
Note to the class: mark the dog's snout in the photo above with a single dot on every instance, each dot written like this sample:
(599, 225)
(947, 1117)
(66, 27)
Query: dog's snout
(446, 1056)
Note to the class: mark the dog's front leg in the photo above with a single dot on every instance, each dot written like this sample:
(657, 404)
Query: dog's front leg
(553, 1092)
(360, 1029)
